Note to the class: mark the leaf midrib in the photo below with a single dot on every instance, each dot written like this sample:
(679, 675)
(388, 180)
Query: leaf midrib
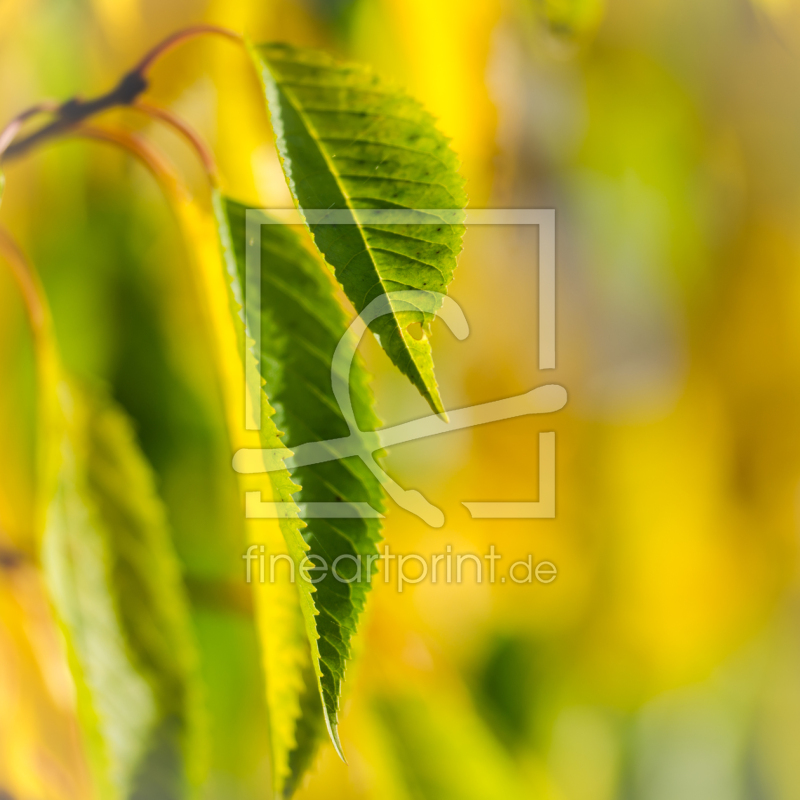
(315, 137)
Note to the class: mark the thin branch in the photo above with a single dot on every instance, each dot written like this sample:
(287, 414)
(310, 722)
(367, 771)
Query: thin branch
(34, 301)
(76, 111)
(195, 141)
(134, 83)
(25, 279)
(9, 133)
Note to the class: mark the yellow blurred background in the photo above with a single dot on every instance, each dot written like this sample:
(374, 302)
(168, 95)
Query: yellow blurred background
(664, 661)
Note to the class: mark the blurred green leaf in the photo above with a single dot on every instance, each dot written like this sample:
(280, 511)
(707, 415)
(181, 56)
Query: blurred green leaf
(301, 325)
(135, 266)
(442, 750)
(349, 142)
(115, 583)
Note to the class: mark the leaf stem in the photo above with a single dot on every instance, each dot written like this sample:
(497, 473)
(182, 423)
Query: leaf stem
(46, 359)
(25, 278)
(148, 156)
(76, 111)
(187, 133)
(178, 38)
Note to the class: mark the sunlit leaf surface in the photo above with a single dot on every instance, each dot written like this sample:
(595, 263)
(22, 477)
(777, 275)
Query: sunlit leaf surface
(301, 326)
(349, 142)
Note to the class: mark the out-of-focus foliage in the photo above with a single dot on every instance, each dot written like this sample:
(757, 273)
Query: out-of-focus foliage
(116, 589)
(664, 660)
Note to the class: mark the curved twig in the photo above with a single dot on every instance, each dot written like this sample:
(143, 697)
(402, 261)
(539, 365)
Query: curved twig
(187, 133)
(148, 156)
(25, 279)
(130, 87)
(171, 42)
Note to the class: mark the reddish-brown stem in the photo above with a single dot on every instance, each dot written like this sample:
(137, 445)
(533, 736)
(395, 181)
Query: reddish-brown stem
(171, 42)
(188, 134)
(23, 275)
(35, 304)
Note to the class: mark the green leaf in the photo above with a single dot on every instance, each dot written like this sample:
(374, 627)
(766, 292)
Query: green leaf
(309, 732)
(296, 723)
(115, 583)
(301, 325)
(285, 649)
(349, 142)
(288, 642)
